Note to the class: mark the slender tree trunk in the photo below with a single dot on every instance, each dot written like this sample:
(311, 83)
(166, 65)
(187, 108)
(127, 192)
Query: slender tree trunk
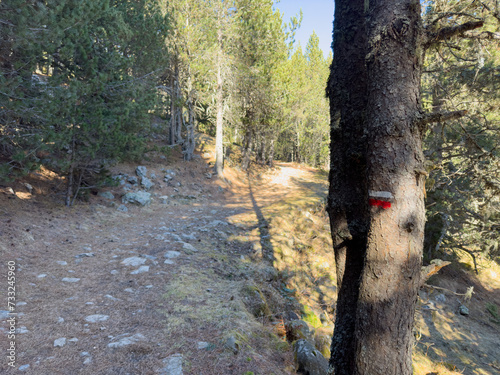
(376, 202)
(178, 107)
(219, 151)
(173, 112)
(190, 142)
(247, 150)
(270, 160)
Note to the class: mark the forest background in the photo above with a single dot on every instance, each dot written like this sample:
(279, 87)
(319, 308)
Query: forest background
(85, 84)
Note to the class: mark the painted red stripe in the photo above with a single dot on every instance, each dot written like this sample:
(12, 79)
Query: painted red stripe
(377, 202)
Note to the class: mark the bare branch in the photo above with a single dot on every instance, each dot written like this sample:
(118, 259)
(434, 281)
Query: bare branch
(448, 32)
(482, 35)
(428, 118)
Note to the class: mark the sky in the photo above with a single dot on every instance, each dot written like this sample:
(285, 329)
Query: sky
(318, 17)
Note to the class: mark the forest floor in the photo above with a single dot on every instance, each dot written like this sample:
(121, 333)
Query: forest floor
(200, 281)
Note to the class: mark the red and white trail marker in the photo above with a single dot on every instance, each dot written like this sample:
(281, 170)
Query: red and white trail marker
(380, 199)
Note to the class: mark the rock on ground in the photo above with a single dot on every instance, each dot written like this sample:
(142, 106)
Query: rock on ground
(96, 318)
(308, 359)
(133, 261)
(140, 197)
(141, 171)
(173, 365)
(127, 341)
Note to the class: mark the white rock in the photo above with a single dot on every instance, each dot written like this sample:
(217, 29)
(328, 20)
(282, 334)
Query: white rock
(111, 297)
(188, 247)
(74, 339)
(62, 263)
(114, 272)
(191, 236)
(141, 269)
(70, 279)
(60, 342)
(96, 318)
(172, 254)
(173, 365)
(133, 261)
(42, 275)
(24, 367)
(127, 341)
(129, 290)
(203, 345)
(21, 304)
(218, 222)
(169, 261)
(87, 361)
(60, 320)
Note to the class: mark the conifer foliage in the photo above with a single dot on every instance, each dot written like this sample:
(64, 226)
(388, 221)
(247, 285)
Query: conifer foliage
(79, 80)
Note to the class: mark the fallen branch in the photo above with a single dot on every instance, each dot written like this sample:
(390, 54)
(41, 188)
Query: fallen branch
(467, 295)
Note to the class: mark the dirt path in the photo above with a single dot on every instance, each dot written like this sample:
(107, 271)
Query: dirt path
(163, 289)
(178, 300)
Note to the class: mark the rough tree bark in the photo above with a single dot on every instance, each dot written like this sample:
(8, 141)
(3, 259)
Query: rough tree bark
(376, 202)
(377, 177)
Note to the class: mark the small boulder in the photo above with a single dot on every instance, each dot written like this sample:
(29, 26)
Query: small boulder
(127, 341)
(172, 254)
(122, 208)
(188, 248)
(140, 197)
(60, 342)
(173, 365)
(133, 261)
(146, 183)
(463, 310)
(141, 269)
(308, 359)
(203, 345)
(70, 279)
(141, 171)
(132, 180)
(297, 329)
(96, 318)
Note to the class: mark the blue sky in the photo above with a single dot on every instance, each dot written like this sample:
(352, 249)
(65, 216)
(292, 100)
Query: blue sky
(318, 16)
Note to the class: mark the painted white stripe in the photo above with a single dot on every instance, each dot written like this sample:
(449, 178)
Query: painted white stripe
(380, 194)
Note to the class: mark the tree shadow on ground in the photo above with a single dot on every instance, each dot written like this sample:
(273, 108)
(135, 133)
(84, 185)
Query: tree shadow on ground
(294, 257)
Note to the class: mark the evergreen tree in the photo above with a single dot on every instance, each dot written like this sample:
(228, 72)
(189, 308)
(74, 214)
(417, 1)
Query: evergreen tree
(260, 50)
(461, 73)
(98, 85)
(377, 177)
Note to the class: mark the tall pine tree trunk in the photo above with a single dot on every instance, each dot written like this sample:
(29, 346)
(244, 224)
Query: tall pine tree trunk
(190, 140)
(376, 202)
(219, 152)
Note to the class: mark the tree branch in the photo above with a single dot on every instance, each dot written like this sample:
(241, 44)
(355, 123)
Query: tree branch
(448, 32)
(482, 35)
(427, 118)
